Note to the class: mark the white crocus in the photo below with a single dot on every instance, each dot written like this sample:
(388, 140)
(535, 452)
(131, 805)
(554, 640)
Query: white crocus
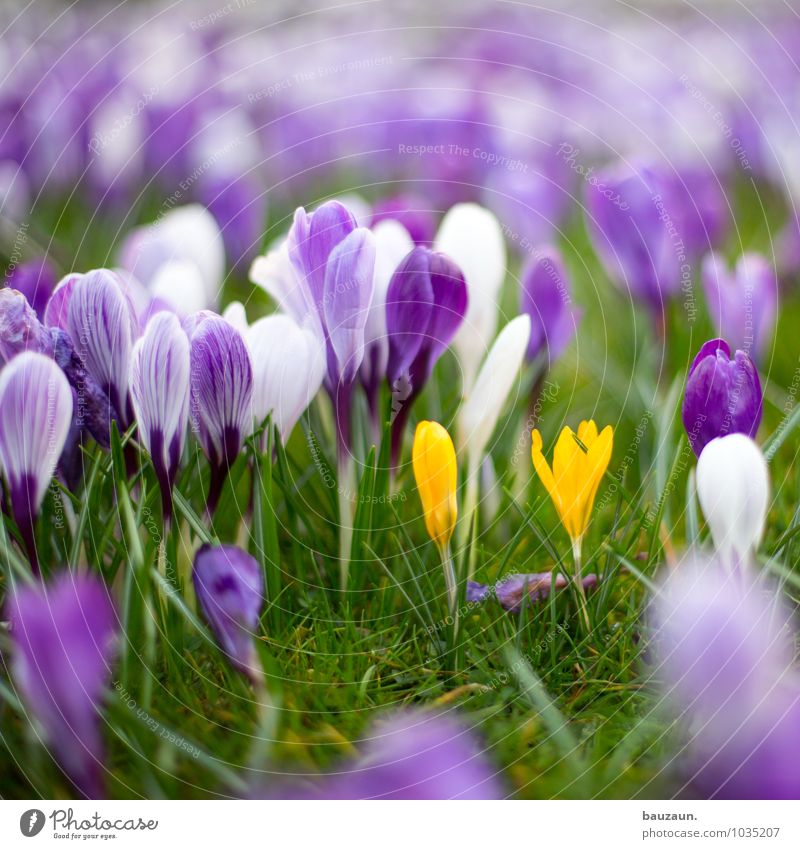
(288, 369)
(473, 238)
(733, 489)
(481, 411)
(236, 315)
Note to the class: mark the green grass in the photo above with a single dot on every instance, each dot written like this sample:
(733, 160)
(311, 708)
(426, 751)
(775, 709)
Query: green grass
(561, 712)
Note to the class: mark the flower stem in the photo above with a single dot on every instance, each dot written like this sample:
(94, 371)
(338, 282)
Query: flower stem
(578, 580)
(345, 488)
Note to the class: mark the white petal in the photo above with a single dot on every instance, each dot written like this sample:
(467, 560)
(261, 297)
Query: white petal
(473, 238)
(733, 489)
(480, 412)
(275, 274)
(181, 285)
(236, 315)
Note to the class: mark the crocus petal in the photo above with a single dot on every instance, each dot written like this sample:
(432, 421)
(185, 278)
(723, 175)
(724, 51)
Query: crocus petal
(473, 238)
(180, 284)
(20, 329)
(160, 392)
(733, 489)
(349, 280)
(57, 309)
(63, 640)
(236, 315)
(288, 370)
(36, 280)
(543, 470)
(277, 276)
(436, 472)
(481, 411)
(103, 327)
(229, 585)
(510, 591)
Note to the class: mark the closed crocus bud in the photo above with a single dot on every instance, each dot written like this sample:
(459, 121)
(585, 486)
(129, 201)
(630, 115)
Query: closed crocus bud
(160, 391)
(288, 370)
(743, 303)
(229, 586)
(436, 474)
(480, 412)
(471, 236)
(733, 488)
(545, 297)
(221, 395)
(723, 395)
(63, 639)
(425, 305)
(726, 659)
(629, 225)
(35, 417)
(102, 323)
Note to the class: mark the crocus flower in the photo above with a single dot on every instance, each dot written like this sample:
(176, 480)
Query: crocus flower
(36, 280)
(545, 297)
(412, 755)
(472, 237)
(56, 311)
(288, 370)
(35, 416)
(510, 591)
(221, 393)
(425, 305)
(411, 212)
(733, 489)
(576, 474)
(726, 659)
(630, 228)
(229, 585)
(723, 395)
(102, 323)
(160, 392)
(20, 329)
(63, 638)
(742, 304)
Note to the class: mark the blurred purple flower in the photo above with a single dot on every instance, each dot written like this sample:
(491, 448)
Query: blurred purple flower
(723, 395)
(35, 416)
(160, 394)
(412, 211)
(510, 591)
(36, 280)
(229, 585)
(742, 304)
(221, 393)
(545, 296)
(726, 660)
(63, 638)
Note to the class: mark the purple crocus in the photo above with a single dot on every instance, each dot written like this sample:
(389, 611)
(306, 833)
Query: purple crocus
(412, 755)
(101, 321)
(20, 329)
(634, 234)
(726, 659)
(35, 416)
(56, 312)
(334, 260)
(510, 591)
(723, 395)
(63, 638)
(413, 212)
(160, 394)
(36, 280)
(425, 305)
(545, 296)
(743, 303)
(221, 392)
(229, 585)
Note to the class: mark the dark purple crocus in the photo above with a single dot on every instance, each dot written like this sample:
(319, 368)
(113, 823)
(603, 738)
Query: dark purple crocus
(413, 212)
(229, 585)
(723, 395)
(413, 755)
(20, 329)
(511, 591)
(36, 280)
(63, 638)
(725, 658)
(221, 393)
(160, 393)
(634, 234)
(101, 322)
(335, 261)
(35, 417)
(425, 305)
(546, 297)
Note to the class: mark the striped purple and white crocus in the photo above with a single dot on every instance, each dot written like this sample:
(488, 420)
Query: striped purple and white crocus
(159, 387)
(63, 637)
(35, 417)
(221, 395)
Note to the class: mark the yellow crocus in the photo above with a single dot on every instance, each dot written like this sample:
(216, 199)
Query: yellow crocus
(576, 474)
(434, 460)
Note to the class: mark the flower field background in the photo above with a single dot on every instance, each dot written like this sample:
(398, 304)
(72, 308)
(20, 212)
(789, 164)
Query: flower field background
(399, 403)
